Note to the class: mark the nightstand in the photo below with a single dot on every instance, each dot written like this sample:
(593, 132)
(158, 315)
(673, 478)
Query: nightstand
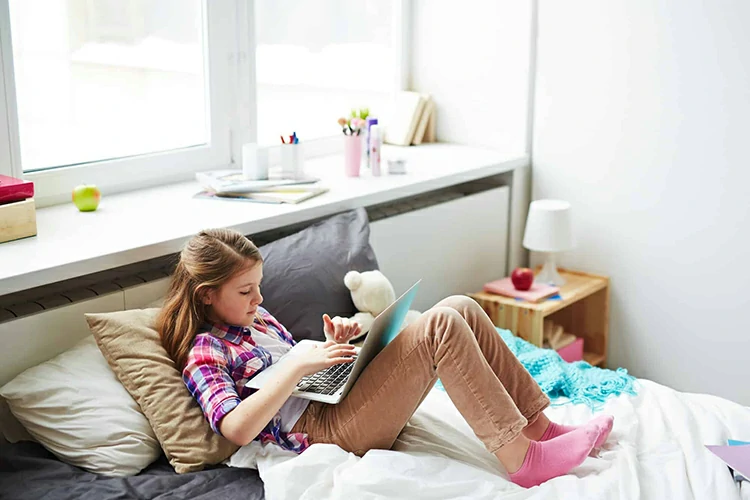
(583, 310)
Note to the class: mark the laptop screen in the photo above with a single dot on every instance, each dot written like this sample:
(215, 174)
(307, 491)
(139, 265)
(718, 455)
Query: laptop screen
(400, 308)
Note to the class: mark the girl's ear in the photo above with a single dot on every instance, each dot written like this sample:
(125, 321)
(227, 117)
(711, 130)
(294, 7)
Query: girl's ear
(207, 296)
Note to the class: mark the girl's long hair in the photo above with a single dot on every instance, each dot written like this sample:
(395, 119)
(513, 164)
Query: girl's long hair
(208, 260)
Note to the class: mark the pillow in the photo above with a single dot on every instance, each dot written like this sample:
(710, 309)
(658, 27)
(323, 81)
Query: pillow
(131, 345)
(304, 272)
(74, 405)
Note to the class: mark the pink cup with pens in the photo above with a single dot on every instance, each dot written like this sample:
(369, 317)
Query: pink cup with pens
(352, 155)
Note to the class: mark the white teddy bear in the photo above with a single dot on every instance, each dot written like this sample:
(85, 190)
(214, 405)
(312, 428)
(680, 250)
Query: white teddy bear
(372, 293)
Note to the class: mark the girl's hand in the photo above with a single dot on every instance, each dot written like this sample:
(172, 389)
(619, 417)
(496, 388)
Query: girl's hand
(322, 356)
(340, 329)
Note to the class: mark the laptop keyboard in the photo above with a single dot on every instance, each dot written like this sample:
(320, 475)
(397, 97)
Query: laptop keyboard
(327, 381)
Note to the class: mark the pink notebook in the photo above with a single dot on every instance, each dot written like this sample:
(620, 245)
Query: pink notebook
(537, 292)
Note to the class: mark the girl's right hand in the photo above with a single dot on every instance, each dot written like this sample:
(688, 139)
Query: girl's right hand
(322, 356)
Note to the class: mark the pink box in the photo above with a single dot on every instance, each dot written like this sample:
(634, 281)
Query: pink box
(572, 352)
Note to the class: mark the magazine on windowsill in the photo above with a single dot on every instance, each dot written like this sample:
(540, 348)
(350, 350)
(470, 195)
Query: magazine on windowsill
(232, 181)
(281, 194)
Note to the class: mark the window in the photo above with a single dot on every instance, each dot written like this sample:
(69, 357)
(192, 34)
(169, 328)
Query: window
(133, 93)
(102, 79)
(315, 61)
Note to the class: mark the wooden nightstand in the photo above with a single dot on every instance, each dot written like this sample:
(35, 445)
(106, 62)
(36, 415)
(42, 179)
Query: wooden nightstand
(583, 311)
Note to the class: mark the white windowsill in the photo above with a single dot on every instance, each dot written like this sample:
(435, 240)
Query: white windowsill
(149, 223)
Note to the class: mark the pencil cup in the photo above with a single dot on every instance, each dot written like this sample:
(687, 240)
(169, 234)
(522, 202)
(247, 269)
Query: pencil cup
(352, 155)
(291, 161)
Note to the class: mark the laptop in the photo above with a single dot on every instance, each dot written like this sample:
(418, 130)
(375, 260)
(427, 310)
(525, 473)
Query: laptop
(332, 384)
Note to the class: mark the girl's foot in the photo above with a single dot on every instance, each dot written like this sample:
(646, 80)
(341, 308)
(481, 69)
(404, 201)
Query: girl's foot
(603, 422)
(555, 457)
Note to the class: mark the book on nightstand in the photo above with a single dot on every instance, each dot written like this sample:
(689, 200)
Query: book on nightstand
(537, 292)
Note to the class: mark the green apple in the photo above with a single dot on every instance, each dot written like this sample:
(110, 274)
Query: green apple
(86, 197)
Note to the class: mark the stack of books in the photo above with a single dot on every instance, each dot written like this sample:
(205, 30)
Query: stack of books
(17, 209)
(231, 184)
(413, 120)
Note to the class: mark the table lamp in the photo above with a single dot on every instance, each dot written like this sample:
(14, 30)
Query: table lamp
(549, 230)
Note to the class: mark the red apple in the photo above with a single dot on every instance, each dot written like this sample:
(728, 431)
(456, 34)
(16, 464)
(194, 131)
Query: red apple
(522, 278)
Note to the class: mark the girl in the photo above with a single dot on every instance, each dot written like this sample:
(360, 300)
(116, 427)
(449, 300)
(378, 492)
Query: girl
(219, 336)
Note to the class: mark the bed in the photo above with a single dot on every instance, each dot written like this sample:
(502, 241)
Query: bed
(656, 449)
(28, 471)
(655, 452)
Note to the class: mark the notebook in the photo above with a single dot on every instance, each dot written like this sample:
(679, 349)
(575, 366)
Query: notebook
(407, 109)
(419, 134)
(736, 457)
(430, 135)
(737, 475)
(12, 189)
(537, 292)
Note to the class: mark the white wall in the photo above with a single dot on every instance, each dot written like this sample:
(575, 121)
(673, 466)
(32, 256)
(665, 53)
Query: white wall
(643, 123)
(440, 257)
(472, 57)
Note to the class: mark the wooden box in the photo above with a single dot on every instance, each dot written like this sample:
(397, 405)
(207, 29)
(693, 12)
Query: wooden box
(17, 220)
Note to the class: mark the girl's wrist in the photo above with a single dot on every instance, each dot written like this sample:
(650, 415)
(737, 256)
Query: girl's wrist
(297, 369)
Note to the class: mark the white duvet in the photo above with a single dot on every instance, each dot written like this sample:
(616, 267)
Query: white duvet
(656, 450)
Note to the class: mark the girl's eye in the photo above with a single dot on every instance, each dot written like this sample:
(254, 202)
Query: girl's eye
(245, 293)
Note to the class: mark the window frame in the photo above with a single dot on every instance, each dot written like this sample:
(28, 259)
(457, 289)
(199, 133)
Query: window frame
(10, 146)
(231, 91)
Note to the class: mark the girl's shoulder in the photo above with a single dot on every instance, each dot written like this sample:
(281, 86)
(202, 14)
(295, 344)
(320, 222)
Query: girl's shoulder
(204, 340)
(264, 317)
(265, 321)
(264, 314)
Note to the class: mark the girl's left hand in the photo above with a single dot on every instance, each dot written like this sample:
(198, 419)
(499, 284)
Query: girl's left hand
(340, 329)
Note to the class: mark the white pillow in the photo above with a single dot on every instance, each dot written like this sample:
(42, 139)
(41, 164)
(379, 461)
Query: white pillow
(74, 405)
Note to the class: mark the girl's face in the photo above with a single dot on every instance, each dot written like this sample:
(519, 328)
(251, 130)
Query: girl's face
(236, 301)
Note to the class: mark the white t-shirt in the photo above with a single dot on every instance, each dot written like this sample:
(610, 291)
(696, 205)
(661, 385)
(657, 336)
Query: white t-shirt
(293, 408)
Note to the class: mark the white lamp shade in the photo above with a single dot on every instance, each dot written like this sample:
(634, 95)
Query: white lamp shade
(548, 226)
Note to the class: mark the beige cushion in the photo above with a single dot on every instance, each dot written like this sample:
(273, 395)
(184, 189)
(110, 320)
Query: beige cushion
(131, 345)
(74, 405)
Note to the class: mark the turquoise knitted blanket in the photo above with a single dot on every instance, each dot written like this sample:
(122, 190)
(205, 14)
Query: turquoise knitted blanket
(580, 382)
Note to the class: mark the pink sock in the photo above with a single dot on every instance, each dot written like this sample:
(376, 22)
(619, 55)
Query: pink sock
(603, 422)
(548, 459)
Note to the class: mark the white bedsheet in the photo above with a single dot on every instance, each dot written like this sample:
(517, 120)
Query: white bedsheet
(655, 451)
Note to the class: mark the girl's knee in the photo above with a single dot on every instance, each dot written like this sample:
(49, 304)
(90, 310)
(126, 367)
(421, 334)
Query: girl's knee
(458, 302)
(443, 320)
(441, 314)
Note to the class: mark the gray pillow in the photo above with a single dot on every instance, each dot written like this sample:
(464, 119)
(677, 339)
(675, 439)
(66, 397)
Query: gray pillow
(303, 274)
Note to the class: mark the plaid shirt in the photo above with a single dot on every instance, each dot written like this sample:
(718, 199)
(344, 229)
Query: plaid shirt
(223, 358)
